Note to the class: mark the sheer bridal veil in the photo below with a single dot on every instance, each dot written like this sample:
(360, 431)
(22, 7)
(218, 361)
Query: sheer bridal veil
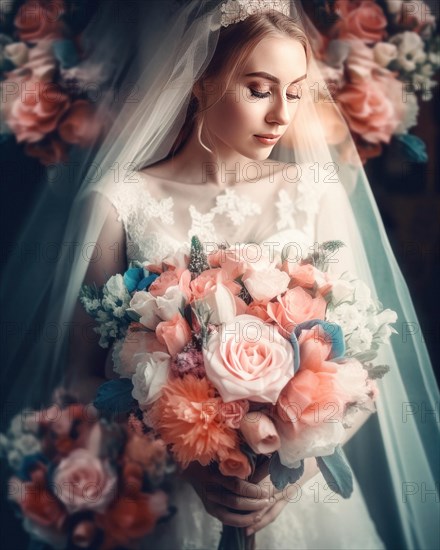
(153, 59)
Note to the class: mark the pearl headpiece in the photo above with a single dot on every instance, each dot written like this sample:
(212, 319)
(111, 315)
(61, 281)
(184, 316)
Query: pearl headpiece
(234, 11)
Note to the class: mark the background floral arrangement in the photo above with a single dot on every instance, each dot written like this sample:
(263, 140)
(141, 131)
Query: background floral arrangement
(83, 482)
(379, 59)
(47, 86)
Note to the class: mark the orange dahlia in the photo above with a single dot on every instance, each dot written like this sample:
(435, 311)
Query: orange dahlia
(187, 416)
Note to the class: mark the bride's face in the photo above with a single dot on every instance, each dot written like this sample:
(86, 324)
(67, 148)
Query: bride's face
(261, 101)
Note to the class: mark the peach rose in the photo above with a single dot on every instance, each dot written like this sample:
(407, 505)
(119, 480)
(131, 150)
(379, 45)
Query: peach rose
(364, 20)
(38, 110)
(265, 284)
(36, 502)
(207, 281)
(80, 125)
(85, 482)
(259, 310)
(248, 359)
(133, 349)
(37, 19)
(300, 275)
(167, 279)
(175, 334)
(369, 110)
(311, 407)
(260, 433)
(294, 307)
(235, 464)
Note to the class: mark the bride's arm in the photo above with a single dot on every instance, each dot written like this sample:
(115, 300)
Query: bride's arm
(86, 359)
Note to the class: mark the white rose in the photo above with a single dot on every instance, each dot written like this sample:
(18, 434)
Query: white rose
(169, 304)
(220, 303)
(150, 377)
(144, 304)
(317, 440)
(265, 284)
(384, 53)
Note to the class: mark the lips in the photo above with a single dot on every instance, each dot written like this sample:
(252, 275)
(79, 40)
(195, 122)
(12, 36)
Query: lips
(267, 139)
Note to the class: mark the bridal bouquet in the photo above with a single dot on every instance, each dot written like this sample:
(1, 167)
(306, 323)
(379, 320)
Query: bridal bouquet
(83, 482)
(236, 354)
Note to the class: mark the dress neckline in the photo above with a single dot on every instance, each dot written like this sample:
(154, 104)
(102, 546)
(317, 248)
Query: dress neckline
(239, 185)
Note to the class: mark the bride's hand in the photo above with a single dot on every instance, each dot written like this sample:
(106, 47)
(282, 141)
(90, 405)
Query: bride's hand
(231, 500)
(277, 500)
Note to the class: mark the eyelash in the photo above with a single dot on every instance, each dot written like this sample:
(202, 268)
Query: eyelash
(264, 95)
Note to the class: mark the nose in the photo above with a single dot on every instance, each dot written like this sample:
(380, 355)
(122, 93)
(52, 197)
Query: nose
(279, 111)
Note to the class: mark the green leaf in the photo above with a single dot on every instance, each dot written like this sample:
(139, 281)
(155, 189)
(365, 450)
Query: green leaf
(337, 472)
(378, 371)
(281, 475)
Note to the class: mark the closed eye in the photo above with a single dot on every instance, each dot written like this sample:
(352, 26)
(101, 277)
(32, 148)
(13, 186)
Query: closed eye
(261, 95)
(264, 95)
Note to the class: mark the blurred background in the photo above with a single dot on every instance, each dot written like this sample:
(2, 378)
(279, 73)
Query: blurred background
(400, 41)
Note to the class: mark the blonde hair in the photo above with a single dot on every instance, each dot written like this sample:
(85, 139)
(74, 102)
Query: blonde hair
(226, 63)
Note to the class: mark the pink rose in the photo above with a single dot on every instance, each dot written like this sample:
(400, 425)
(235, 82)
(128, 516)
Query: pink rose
(85, 482)
(369, 110)
(38, 110)
(265, 284)
(235, 464)
(311, 407)
(207, 281)
(260, 433)
(37, 19)
(235, 261)
(175, 334)
(294, 307)
(364, 20)
(80, 125)
(300, 275)
(167, 279)
(248, 359)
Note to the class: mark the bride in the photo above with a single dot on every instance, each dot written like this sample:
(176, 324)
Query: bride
(229, 142)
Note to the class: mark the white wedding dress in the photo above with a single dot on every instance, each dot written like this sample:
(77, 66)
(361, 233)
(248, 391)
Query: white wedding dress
(159, 215)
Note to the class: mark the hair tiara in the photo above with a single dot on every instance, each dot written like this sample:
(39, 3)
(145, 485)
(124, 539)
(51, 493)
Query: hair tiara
(234, 11)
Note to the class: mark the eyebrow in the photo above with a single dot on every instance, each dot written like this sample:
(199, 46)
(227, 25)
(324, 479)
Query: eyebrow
(272, 78)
